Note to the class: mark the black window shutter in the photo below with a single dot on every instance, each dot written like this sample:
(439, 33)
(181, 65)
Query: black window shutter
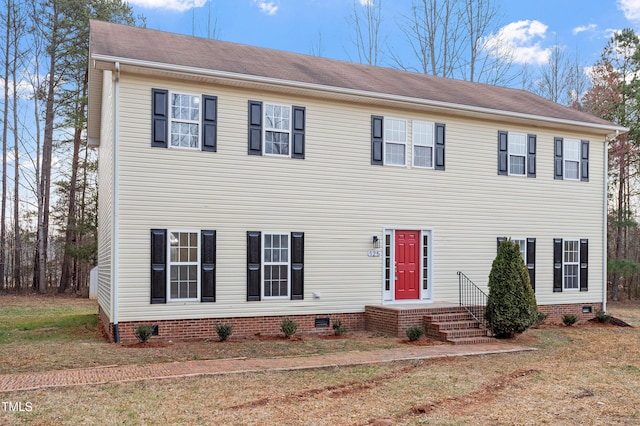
(208, 266)
(558, 159)
(299, 116)
(297, 265)
(503, 149)
(557, 265)
(158, 266)
(254, 260)
(500, 240)
(531, 261)
(584, 265)
(255, 128)
(159, 118)
(209, 123)
(584, 161)
(377, 151)
(531, 156)
(439, 163)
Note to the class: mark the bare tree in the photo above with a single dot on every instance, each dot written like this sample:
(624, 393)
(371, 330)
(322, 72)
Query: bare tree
(449, 38)
(365, 21)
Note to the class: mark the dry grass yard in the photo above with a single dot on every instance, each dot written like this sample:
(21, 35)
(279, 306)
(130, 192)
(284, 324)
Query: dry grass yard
(581, 375)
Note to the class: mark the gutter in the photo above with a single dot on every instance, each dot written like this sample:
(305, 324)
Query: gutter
(345, 91)
(116, 206)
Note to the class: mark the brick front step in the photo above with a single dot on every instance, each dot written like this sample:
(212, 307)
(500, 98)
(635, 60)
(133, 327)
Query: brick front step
(456, 326)
(472, 340)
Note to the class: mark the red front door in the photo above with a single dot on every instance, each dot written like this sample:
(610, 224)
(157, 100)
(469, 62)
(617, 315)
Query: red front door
(407, 284)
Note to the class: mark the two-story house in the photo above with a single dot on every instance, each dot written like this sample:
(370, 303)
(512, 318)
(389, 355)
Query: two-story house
(244, 185)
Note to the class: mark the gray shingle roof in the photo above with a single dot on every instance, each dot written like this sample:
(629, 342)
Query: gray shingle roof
(139, 44)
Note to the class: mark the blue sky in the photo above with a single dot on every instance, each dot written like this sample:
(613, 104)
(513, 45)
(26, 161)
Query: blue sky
(304, 26)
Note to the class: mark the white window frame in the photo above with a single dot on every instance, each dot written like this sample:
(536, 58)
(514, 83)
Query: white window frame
(427, 144)
(170, 264)
(266, 128)
(197, 122)
(510, 152)
(426, 296)
(280, 263)
(386, 141)
(576, 264)
(566, 158)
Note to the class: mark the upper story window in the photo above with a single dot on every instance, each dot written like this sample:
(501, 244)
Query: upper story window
(516, 154)
(277, 129)
(182, 120)
(571, 159)
(422, 137)
(185, 121)
(389, 143)
(395, 141)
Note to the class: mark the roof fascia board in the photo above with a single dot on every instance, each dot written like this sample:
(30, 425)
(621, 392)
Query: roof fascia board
(181, 69)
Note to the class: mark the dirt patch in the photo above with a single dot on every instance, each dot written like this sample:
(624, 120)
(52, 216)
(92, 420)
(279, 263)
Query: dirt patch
(333, 391)
(465, 404)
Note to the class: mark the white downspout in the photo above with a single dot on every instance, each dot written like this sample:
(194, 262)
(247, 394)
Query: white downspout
(604, 224)
(116, 207)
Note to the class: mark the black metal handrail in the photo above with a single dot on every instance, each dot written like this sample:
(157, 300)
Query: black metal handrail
(472, 298)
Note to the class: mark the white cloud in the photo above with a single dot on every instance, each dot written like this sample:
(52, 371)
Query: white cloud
(630, 8)
(173, 5)
(583, 28)
(520, 42)
(366, 2)
(268, 8)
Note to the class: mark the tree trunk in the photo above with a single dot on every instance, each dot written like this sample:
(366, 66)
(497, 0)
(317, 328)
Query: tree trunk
(5, 126)
(47, 149)
(17, 241)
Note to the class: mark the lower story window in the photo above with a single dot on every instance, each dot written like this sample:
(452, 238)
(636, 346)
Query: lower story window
(183, 265)
(571, 264)
(276, 265)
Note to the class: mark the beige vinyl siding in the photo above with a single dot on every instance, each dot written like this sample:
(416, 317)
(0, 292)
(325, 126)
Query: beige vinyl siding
(339, 200)
(105, 197)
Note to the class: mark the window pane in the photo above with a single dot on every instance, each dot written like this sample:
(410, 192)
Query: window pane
(422, 156)
(422, 133)
(277, 117)
(517, 144)
(571, 149)
(276, 143)
(571, 169)
(394, 154)
(516, 165)
(395, 130)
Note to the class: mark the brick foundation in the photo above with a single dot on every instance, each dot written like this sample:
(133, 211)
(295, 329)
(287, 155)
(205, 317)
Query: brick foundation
(104, 326)
(556, 312)
(202, 329)
(382, 319)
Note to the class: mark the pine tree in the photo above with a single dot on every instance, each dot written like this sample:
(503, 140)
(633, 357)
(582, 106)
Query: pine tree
(511, 306)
